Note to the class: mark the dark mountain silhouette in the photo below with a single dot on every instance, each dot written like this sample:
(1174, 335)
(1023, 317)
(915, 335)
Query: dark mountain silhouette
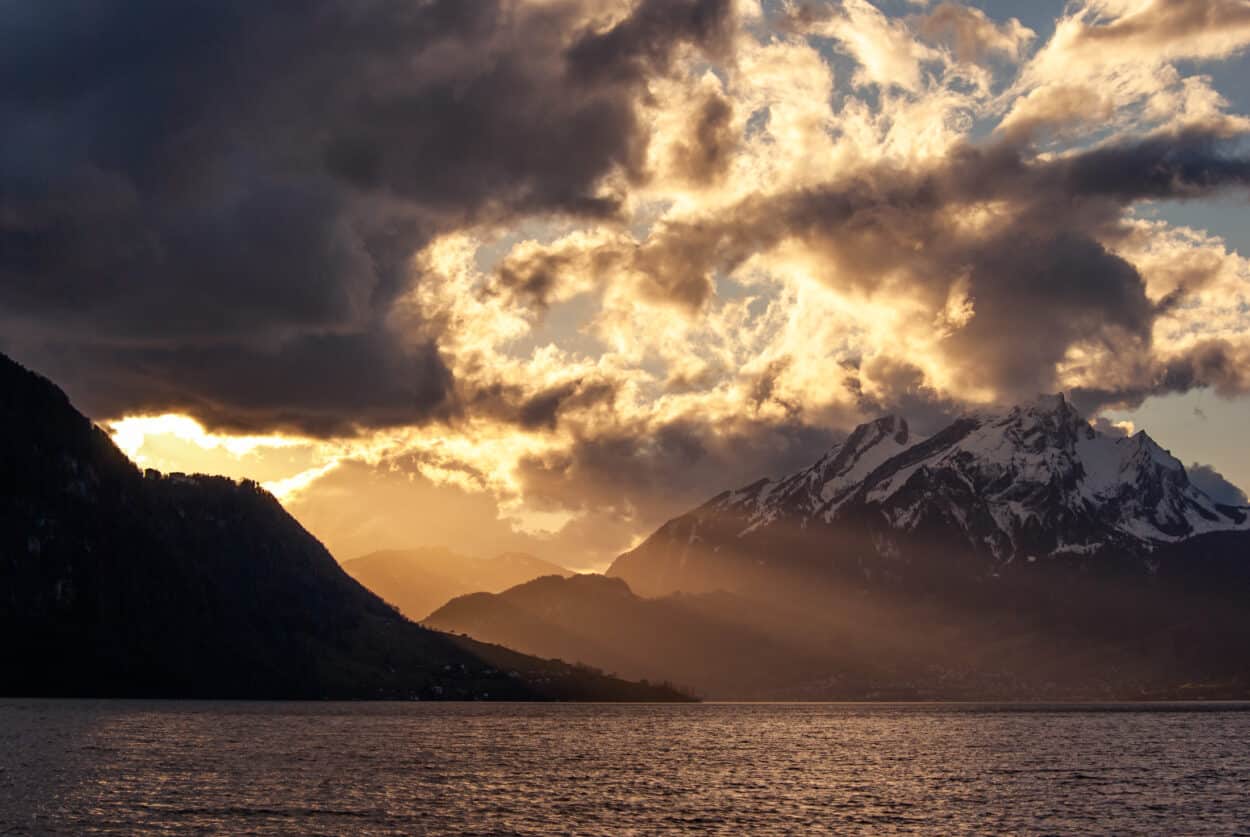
(419, 580)
(115, 582)
(1012, 555)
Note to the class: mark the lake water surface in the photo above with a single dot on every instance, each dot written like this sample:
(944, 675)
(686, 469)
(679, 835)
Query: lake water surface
(86, 767)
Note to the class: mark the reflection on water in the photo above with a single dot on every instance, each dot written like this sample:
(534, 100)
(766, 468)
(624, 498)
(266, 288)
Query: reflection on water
(274, 768)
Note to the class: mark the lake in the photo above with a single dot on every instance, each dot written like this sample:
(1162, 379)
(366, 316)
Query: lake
(127, 767)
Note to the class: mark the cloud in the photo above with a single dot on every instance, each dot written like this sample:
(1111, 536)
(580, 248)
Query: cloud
(644, 41)
(887, 52)
(1219, 365)
(972, 36)
(1160, 29)
(1120, 56)
(242, 186)
(318, 384)
(706, 156)
(640, 473)
(1114, 429)
(588, 261)
(357, 508)
(1216, 487)
(1035, 275)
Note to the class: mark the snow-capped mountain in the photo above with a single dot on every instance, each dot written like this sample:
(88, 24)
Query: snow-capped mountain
(1034, 483)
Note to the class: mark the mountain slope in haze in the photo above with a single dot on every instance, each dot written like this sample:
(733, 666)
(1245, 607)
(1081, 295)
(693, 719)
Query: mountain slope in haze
(115, 582)
(831, 645)
(417, 581)
(700, 642)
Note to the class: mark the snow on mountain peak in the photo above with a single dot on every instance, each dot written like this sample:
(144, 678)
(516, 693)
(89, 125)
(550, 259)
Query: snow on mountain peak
(868, 446)
(1020, 481)
(834, 475)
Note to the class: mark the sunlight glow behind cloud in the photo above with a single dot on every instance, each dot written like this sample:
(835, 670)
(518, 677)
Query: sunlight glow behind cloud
(817, 212)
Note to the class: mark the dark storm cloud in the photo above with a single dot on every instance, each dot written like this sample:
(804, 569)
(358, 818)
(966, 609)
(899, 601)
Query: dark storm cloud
(1216, 364)
(765, 387)
(532, 276)
(231, 182)
(904, 393)
(543, 409)
(643, 472)
(645, 41)
(534, 408)
(705, 157)
(297, 385)
(1038, 293)
(1190, 164)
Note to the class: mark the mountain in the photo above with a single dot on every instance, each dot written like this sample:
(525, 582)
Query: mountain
(701, 642)
(419, 580)
(1020, 553)
(116, 582)
(988, 495)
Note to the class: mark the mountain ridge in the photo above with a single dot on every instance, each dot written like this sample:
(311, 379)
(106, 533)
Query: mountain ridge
(699, 642)
(1033, 482)
(121, 583)
(418, 581)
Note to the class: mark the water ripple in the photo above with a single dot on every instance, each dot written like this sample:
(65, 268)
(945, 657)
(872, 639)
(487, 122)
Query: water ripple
(84, 767)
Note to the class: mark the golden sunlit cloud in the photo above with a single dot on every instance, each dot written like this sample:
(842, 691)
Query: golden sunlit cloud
(131, 435)
(173, 443)
(799, 243)
(287, 488)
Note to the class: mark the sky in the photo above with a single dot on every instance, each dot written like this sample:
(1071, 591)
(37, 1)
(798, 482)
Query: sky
(540, 274)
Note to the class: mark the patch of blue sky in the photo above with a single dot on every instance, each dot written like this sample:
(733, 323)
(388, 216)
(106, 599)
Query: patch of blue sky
(1198, 426)
(566, 324)
(1227, 216)
(1038, 15)
(494, 247)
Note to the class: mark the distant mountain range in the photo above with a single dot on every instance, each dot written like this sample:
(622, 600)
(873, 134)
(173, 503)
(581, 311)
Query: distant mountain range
(417, 581)
(1016, 554)
(115, 582)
